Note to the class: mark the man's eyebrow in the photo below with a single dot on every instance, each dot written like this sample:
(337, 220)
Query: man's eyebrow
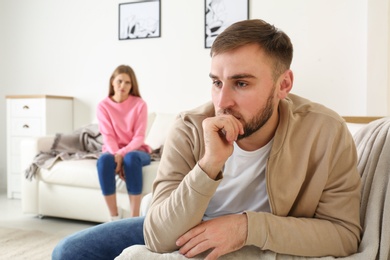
(237, 76)
(241, 76)
(212, 76)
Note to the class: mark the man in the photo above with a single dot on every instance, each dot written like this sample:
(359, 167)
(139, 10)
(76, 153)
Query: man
(258, 166)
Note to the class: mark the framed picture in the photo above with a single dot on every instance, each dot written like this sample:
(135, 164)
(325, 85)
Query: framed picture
(139, 20)
(219, 14)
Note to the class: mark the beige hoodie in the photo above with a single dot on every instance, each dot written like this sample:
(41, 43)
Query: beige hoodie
(312, 183)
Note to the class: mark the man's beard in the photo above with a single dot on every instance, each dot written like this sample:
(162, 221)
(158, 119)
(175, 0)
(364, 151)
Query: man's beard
(259, 120)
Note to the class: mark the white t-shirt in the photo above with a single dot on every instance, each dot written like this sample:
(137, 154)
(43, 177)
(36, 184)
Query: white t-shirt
(243, 186)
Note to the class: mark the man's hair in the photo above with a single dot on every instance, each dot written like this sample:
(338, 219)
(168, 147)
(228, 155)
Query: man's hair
(275, 43)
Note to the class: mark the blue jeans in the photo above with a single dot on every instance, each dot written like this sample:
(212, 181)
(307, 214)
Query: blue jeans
(104, 241)
(132, 165)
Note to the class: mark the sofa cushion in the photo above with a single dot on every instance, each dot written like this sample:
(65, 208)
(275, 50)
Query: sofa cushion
(76, 173)
(81, 173)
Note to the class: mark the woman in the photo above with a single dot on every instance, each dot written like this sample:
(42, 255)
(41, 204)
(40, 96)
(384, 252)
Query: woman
(122, 120)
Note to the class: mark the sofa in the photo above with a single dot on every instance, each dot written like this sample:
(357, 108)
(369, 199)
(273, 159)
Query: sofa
(70, 188)
(373, 148)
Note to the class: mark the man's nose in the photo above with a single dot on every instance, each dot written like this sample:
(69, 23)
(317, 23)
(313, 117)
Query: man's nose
(226, 97)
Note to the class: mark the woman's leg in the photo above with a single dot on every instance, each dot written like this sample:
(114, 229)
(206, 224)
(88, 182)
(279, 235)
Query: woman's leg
(106, 172)
(135, 204)
(104, 241)
(132, 163)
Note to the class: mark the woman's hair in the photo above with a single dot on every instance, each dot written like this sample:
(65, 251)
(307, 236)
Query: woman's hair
(124, 69)
(275, 43)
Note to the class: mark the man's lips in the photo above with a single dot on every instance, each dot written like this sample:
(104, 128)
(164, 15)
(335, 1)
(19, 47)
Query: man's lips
(224, 112)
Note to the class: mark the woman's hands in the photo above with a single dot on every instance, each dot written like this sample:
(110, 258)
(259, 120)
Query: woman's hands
(119, 169)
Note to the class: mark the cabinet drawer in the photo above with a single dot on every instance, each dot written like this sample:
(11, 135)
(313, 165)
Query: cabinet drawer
(26, 127)
(26, 107)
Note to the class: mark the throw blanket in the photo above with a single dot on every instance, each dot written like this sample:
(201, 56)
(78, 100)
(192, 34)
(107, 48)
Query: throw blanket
(84, 143)
(373, 147)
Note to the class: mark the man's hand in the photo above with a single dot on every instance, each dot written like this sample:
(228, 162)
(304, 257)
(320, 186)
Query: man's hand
(223, 235)
(119, 169)
(219, 134)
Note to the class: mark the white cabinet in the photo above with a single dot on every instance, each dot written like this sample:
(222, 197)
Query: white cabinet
(31, 116)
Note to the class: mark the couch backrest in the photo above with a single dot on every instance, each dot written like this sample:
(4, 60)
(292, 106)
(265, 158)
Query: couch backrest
(151, 117)
(355, 123)
(354, 127)
(158, 128)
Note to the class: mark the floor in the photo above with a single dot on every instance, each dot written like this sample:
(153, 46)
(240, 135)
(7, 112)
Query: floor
(11, 216)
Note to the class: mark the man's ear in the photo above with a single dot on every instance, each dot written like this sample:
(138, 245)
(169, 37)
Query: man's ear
(285, 84)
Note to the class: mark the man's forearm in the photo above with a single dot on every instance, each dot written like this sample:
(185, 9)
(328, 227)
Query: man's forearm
(300, 236)
(173, 214)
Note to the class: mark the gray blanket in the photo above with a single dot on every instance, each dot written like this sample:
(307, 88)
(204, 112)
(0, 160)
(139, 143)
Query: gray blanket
(373, 145)
(84, 143)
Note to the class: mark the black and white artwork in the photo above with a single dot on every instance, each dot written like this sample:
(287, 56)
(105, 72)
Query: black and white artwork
(139, 20)
(219, 14)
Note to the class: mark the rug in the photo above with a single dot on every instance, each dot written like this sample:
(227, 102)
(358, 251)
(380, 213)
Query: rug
(19, 244)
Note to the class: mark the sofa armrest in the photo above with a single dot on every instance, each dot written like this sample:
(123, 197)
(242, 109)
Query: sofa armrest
(30, 147)
(145, 204)
(246, 252)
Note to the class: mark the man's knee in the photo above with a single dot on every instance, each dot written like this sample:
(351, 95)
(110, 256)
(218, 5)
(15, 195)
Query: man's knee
(60, 251)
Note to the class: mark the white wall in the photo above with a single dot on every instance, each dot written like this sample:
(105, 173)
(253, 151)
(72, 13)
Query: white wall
(387, 37)
(71, 47)
(378, 90)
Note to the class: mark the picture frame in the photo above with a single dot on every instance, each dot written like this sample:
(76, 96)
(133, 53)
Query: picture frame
(220, 14)
(139, 20)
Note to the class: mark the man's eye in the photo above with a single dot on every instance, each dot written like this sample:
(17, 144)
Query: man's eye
(241, 84)
(217, 83)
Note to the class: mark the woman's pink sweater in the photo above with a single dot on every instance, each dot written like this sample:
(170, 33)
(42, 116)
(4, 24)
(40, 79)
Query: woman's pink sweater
(123, 125)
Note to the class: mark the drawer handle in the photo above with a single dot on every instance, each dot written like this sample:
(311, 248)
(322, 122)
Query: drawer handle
(26, 107)
(26, 126)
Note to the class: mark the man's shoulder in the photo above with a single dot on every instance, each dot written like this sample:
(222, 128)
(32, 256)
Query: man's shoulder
(305, 109)
(199, 113)
(308, 122)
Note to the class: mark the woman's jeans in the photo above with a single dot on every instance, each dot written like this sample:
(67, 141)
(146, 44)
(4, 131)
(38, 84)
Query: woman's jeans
(132, 166)
(104, 241)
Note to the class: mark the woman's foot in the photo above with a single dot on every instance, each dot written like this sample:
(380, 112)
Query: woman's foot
(118, 216)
